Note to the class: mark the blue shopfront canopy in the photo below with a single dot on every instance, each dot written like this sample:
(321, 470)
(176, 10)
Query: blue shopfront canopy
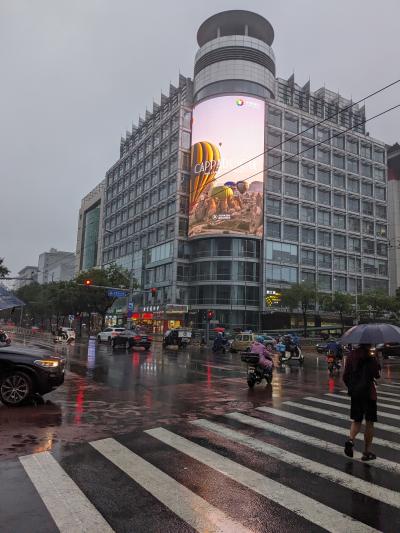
(8, 300)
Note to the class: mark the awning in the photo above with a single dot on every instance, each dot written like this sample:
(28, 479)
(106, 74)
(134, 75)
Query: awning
(8, 300)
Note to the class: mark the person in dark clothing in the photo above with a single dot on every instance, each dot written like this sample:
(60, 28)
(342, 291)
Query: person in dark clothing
(361, 370)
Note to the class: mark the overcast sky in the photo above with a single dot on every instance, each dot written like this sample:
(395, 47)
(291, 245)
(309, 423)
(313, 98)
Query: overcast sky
(75, 74)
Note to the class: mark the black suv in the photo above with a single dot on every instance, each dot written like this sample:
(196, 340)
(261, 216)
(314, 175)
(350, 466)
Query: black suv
(25, 372)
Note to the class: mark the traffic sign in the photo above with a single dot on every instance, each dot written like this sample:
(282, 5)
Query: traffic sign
(130, 306)
(116, 293)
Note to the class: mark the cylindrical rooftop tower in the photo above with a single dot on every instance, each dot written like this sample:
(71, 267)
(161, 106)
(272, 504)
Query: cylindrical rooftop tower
(235, 56)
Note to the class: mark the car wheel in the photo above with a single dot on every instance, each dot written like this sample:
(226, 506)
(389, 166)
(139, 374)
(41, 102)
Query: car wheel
(15, 388)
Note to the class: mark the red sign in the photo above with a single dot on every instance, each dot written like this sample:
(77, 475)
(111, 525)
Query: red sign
(147, 316)
(135, 316)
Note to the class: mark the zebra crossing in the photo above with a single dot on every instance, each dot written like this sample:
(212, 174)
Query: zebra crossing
(275, 467)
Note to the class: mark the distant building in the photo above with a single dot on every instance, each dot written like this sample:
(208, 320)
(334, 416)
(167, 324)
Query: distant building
(393, 162)
(90, 230)
(26, 275)
(56, 266)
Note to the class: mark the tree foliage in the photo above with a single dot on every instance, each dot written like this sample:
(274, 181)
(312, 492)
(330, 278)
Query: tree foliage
(53, 302)
(3, 269)
(339, 302)
(300, 296)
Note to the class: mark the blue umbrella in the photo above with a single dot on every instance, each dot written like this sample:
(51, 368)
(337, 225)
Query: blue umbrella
(371, 334)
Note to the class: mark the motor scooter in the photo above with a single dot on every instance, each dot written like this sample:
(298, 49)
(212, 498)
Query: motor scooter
(290, 352)
(255, 373)
(5, 340)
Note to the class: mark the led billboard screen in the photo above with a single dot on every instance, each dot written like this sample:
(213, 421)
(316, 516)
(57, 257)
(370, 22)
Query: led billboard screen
(226, 132)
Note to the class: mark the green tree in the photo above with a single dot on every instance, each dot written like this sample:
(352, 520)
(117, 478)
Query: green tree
(339, 302)
(3, 269)
(94, 299)
(377, 303)
(300, 296)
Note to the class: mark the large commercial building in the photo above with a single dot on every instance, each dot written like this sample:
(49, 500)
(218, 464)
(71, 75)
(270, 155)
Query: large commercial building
(393, 162)
(26, 276)
(90, 230)
(284, 185)
(55, 265)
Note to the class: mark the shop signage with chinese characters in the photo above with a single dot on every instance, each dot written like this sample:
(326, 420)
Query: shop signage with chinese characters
(273, 298)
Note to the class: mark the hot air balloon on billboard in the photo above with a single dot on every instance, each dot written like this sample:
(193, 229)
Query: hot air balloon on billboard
(206, 158)
(222, 192)
(242, 186)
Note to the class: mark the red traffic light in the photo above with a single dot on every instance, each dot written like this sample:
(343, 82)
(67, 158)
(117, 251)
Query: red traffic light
(87, 282)
(210, 315)
(153, 291)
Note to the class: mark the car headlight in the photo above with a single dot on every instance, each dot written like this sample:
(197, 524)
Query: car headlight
(47, 363)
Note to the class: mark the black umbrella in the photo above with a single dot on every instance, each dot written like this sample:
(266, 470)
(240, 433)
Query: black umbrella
(371, 334)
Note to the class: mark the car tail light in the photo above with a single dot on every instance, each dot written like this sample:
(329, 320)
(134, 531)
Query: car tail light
(137, 337)
(150, 339)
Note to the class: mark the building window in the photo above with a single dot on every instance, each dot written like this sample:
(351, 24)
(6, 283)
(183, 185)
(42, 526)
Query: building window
(291, 210)
(290, 233)
(324, 176)
(308, 172)
(291, 123)
(281, 274)
(366, 169)
(381, 230)
(291, 145)
(353, 185)
(381, 249)
(323, 135)
(354, 264)
(338, 160)
(273, 206)
(308, 257)
(338, 140)
(324, 197)
(339, 180)
(307, 149)
(367, 208)
(324, 238)
(352, 145)
(339, 242)
(307, 193)
(339, 284)
(368, 227)
(354, 224)
(275, 117)
(308, 236)
(324, 282)
(352, 165)
(339, 262)
(273, 229)
(274, 139)
(282, 252)
(291, 188)
(353, 204)
(223, 247)
(354, 244)
(307, 214)
(324, 217)
(379, 155)
(274, 184)
(307, 129)
(308, 277)
(291, 167)
(339, 200)
(368, 246)
(323, 156)
(366, 150)
(380, 193)
(380, 211)
(339, 221)
(324, 260)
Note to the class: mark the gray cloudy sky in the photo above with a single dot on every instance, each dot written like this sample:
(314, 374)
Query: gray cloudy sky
(76, 73)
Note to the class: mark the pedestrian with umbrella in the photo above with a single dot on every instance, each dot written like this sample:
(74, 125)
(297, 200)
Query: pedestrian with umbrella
(361, 370)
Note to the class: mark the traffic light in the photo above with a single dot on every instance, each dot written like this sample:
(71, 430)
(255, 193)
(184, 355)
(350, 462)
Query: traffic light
(153, 292)
(210, 315)
(87, 282)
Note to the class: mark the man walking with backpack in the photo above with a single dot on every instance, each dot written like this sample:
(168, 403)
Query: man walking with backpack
(361, 370)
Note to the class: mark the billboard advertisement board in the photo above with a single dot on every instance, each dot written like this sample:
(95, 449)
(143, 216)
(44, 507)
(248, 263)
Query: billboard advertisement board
(226, 132)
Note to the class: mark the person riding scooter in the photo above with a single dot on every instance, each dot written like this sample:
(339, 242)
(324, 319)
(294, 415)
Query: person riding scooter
(265, 361)
(219, 343)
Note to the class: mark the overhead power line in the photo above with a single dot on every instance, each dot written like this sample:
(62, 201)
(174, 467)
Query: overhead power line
(292, 156)
(327, 119)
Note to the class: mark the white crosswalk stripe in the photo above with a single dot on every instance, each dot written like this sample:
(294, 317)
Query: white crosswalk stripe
(323, 425)
(315, 512)
(380, 404)
(385, 394)
(389, 466)
(68, 506)
(390, 385)
(338, 404)
(192, 508)
(345, 480)
(294, 455)
(340, 416)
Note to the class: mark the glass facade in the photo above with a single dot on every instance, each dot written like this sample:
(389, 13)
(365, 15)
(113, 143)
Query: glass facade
(90, 241)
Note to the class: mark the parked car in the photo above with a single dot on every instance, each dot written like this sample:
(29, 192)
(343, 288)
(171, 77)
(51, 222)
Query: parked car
(109, 333)
(130, 338)
(389, 349)
(242, 342)
(25, 372)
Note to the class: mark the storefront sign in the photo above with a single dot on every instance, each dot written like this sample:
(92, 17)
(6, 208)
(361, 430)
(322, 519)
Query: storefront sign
(176, 308)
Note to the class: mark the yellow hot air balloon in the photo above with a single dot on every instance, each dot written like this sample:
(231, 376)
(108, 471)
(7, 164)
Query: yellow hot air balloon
(206, 158)
(222, 192)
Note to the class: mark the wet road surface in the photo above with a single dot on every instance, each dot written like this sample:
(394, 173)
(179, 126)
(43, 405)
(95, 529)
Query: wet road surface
(175, 441)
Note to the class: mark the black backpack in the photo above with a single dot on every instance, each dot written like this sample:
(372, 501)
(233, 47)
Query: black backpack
(359, 382)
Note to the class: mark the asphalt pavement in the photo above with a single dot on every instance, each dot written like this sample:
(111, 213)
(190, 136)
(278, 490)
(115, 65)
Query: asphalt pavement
(175, 441)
